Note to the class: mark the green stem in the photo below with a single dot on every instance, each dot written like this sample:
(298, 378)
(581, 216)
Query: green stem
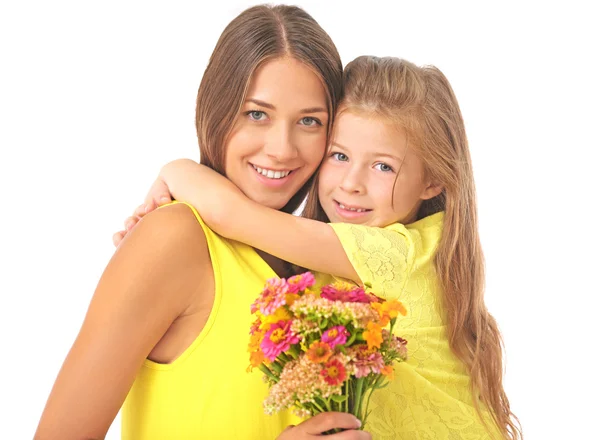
(369, 398)
(276, 367)
(358, 400)
(265, 369)
(318, 406)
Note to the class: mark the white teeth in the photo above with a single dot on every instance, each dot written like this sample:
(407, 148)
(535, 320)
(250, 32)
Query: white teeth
(352, 209)
(270, 173)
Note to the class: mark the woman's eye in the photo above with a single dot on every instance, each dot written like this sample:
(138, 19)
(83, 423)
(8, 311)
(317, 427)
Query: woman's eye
(341, 157)
(310, 122)
(256, 115)
(383, 167)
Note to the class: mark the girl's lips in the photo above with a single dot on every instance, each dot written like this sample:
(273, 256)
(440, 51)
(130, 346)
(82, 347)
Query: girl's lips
(272, 183)
(348, 214)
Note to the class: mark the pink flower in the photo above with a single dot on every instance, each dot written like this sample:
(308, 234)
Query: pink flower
(300, 282)
(346, 292)
(337, 335)
(399, 345)
(365, 361)
(271, 298)
(278, 339)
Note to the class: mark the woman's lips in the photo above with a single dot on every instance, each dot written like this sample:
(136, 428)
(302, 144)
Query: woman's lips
(272, 182)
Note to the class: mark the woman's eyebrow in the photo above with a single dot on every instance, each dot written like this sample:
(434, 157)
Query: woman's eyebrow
(314, 110)
(261, 103)
(272, 107)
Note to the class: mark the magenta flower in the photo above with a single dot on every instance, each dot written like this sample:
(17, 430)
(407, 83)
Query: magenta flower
(346, 293)
(337, 335)
(300, 282)
(271, 298)
(278, 339)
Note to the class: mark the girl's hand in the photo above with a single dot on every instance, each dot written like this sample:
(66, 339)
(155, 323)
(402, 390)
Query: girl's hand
(317, 425)
(157, 196)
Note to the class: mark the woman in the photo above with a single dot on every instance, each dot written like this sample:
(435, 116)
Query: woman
(166, 331)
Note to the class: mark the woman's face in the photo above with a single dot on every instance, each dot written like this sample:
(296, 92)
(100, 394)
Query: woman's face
(278, 139)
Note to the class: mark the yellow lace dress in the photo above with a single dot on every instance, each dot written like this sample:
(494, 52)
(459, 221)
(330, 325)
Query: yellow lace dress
(430, 397)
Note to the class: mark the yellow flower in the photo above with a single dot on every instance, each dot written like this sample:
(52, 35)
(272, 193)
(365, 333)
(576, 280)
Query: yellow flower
(281, 314)
(373, 335)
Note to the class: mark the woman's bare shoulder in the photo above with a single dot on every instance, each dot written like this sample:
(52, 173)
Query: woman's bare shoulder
(151, 280)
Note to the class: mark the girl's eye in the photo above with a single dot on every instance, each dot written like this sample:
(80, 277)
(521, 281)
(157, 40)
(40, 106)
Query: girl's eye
(341, 157)
(256, 115)
(383, 167)
(310, 122)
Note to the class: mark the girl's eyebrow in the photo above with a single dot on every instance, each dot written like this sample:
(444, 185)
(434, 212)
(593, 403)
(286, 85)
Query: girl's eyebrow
(272, 107)
(373, 154)
(391, 156)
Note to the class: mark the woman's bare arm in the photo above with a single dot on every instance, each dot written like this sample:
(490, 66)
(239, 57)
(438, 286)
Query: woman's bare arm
(152, 279)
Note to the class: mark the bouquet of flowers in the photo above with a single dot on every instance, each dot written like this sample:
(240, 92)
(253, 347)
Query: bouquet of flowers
(324, 350)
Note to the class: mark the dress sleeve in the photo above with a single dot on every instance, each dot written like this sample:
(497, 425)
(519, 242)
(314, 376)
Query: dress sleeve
(382, 257)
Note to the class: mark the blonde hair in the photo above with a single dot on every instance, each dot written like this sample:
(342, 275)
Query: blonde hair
(422, 102)
(257, 35)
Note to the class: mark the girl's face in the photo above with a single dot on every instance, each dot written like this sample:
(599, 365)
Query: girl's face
(370, 176)
(279, 138)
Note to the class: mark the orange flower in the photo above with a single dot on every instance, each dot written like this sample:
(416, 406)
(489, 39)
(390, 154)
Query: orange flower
(389, 310)
(396, 307)
(255, 340)
(256, 358)
(319, 352)
(373, 335)
(388, 371)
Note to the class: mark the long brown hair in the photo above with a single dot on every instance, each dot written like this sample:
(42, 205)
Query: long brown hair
(422, 102)
(259, 34)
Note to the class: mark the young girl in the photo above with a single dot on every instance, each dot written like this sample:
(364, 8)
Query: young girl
(397, 188)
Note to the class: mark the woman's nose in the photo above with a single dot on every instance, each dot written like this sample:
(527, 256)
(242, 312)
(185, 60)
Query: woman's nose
(280, 144)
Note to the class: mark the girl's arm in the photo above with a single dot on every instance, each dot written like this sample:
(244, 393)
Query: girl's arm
(148, 283)
(226, 210)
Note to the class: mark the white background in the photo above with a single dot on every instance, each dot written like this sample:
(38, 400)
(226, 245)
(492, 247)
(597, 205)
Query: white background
(96, 96)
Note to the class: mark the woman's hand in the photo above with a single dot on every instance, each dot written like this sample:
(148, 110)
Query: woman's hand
(315, 426)
(157, 196)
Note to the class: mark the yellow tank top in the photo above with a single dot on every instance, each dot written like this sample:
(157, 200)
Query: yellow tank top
(207, 393)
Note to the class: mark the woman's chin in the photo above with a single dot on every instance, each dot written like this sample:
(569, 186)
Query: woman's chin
(270, 201)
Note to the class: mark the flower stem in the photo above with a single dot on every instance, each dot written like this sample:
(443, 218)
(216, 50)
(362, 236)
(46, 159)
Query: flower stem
(358, 399)
(270, 375)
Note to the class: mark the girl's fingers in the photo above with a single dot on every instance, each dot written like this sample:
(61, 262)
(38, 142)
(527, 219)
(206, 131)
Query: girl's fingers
(118, 238)
(164, 200)
(150, 206)
(140, 211)
(130, 222)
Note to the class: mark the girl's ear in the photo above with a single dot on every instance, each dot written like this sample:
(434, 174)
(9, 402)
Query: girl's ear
(431, 190)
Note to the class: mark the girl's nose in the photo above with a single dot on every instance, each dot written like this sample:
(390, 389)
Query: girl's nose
(353, 182)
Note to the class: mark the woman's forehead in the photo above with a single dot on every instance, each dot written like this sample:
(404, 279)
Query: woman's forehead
(287, 83)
